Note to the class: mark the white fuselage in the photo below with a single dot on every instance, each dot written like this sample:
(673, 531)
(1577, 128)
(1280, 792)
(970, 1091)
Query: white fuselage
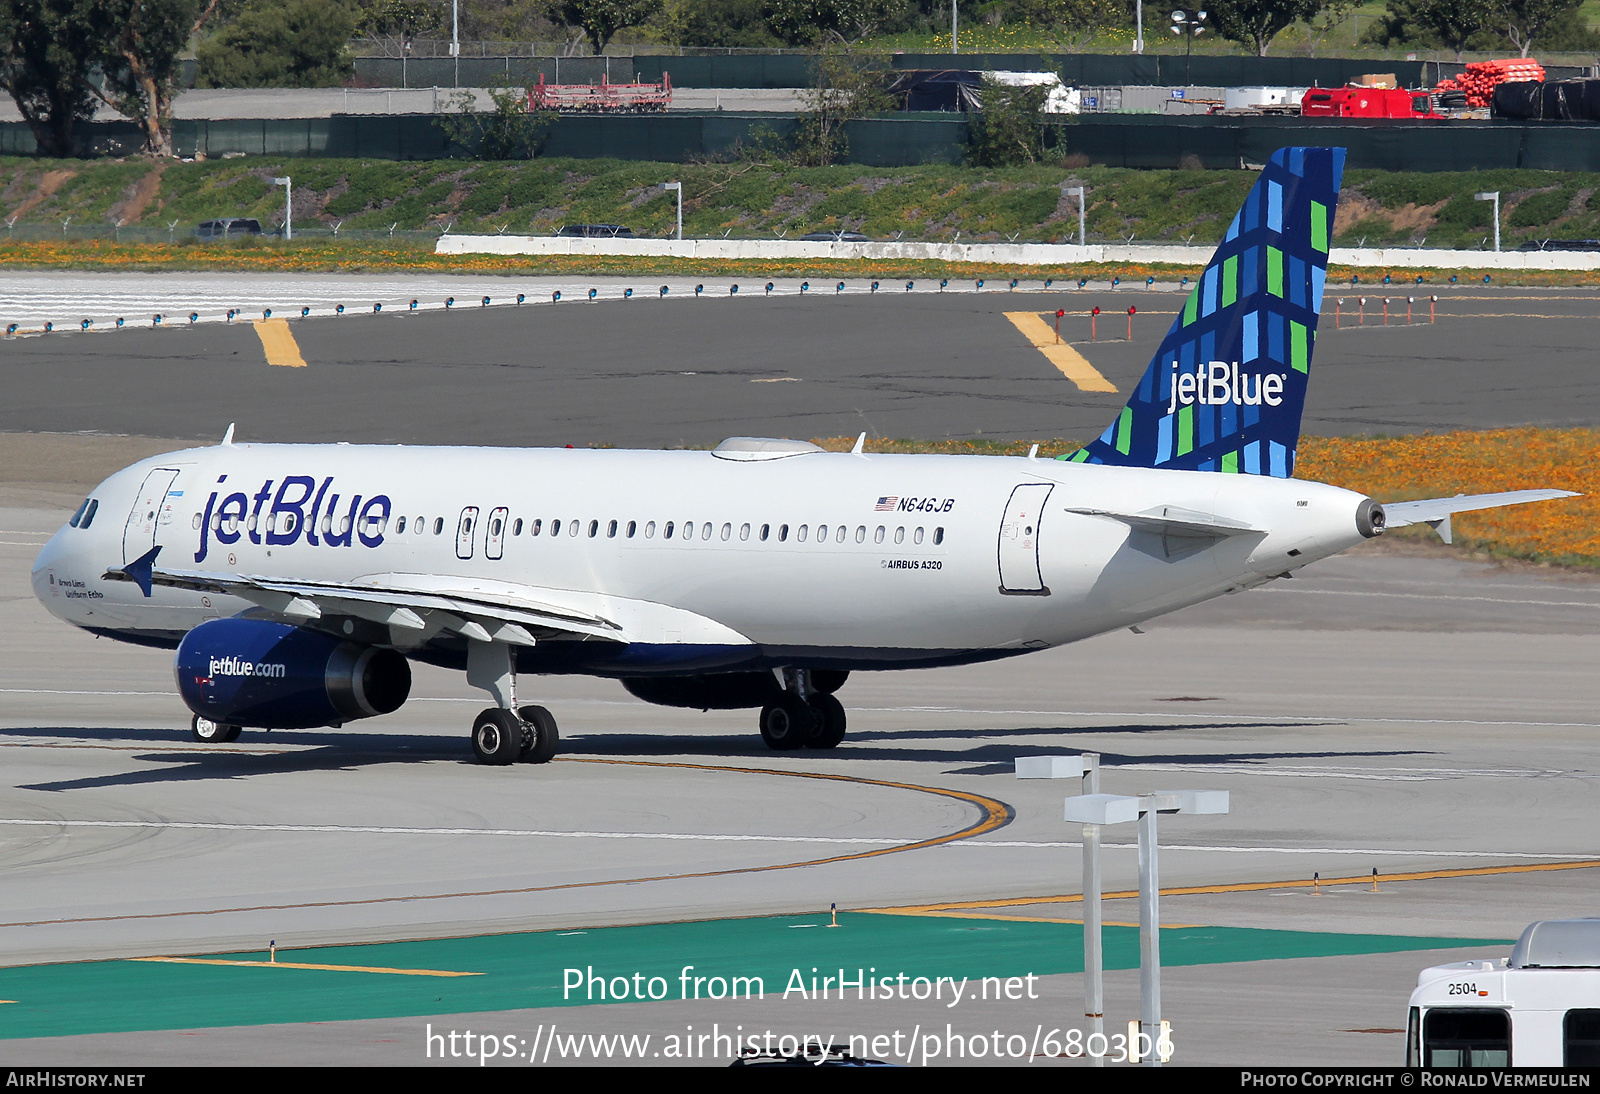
(925, 560)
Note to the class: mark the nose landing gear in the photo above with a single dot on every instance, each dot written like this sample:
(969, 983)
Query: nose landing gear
(208, 732)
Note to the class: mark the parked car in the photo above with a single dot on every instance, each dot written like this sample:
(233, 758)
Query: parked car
(836, 237)
(228, 227)
(603, 231)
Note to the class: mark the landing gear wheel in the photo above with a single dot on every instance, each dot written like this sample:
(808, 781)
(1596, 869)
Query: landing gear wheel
(786, 723)
(496, 736)
(212, 733)
(539, 736)
(830, 722)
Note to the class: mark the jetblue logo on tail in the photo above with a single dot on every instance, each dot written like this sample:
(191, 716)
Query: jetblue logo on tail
(1226, 389)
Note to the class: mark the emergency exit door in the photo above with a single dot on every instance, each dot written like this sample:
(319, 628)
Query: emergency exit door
(1019, 541)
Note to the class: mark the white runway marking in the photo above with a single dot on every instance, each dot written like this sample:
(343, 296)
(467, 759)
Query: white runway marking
(1438, 596)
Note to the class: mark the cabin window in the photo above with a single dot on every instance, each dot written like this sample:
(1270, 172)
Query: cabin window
(400, 526)
(783, 532)
(494, 526)
(533, 529)
(938, 536)
(196, 521)
(572, 528)
(800, 534)
(666, 533)
(765, 529)
(822, 533)
(916, 537)
(555, 527)
(744, 531)
(632, 527)
(611, 530)
(216, 522)
(1581, 1038)
(1466, 1037)
(516, 526)
(594, 527)
(838, 537)
(727, 531)
(899, 535)
(650, 530)
(877, 537)
(861, 533)
(419, 525)
(438, 526)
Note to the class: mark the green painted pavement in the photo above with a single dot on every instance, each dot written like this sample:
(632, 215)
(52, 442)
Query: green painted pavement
(526, 970)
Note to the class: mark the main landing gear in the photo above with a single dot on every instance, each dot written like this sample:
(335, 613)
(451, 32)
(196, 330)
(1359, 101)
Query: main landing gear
(212, 733)
(506, 733)
(802, 717)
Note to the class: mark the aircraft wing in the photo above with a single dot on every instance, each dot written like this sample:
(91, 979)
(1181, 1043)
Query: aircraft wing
(409, 602)
(1436, 512)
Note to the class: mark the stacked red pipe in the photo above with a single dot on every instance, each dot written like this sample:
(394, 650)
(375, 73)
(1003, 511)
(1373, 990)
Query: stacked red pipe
(1481, 77)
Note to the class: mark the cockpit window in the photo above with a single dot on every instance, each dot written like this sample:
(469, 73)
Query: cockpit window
(76, 517)
(88, 516)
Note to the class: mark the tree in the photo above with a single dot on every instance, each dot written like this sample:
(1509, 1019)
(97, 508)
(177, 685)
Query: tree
(508, 132)
(142, 69)
(391, 23)
(721, 23)
(601, 19)
(1525, 19)
(1448, 23)
(301, 43)
(844, 85)
(804, 22)
(1255, 23)
(1072, 21)
(1006, 132)
(48, 51)
(1324, 23)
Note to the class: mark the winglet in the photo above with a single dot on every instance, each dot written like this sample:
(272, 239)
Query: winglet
(140, 570)
(227, 438)
(861, 443)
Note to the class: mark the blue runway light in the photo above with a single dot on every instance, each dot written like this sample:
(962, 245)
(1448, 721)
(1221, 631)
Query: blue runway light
(804, 286)
(119, 322)
(910, 285)
(266, 313)
(521, 298)
(874, 286)
(485, 303)
(627, 294)
(769, 288)
(698, 289)
(376, 308)
(339, 309)
(733, 290)
(304, 312)
(555, 297)
(663, 290)
(194, 317)
(839, 290)
(413, 305)
(86, 322)
(449, 302)
(48, 327)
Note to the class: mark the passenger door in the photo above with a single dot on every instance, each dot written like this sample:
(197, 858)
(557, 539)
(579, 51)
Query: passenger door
(1019, 541)
(151, 511)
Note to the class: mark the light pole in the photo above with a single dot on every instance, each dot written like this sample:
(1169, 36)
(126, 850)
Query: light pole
(678, 186)
(1080, 193)
(1086, 766)
(455, 37)
(1119, 808)
(1494, 196)
(955, 43)
(288, 205)
(1138, 26)
(1188, 26)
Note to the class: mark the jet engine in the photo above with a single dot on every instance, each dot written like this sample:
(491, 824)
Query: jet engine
(254, 672)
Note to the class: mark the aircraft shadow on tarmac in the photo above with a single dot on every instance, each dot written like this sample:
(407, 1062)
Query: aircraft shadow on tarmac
(347, 752)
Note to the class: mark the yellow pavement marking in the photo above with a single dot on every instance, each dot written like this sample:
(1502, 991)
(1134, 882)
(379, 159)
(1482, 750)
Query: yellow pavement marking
(279, 343)
(955, 907)
(298, 965)
(7, 1000)
(1067, 360)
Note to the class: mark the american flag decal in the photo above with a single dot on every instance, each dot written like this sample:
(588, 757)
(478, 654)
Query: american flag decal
(886, 505)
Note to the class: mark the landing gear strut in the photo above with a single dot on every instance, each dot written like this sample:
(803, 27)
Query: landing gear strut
(802, 717)
(504, 734)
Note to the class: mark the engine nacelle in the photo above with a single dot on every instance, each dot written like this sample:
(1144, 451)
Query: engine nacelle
(253, 672)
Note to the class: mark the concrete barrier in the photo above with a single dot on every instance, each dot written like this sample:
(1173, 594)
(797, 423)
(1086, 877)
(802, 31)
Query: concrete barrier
(1006, 254)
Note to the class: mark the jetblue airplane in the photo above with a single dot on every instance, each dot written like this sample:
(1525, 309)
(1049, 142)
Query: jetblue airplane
(298, 582)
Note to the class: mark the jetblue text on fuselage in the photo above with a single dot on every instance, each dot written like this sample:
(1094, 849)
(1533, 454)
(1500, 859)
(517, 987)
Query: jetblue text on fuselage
(298, 508)
(1219, 382)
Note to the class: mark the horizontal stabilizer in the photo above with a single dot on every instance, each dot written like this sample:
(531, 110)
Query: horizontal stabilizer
(1436, 512)
(1171, 520)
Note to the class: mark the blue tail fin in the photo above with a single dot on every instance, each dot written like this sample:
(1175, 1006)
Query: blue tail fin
(1226, 388)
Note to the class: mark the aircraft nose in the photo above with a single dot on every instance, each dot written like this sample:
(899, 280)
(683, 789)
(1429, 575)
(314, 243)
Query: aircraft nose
(52, 563)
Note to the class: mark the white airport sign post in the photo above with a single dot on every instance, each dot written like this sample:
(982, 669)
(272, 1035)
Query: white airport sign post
(1097, 809)
(1081, 193)
(678, 186)
(1494, 196)
(288, 206)
(1086, 766)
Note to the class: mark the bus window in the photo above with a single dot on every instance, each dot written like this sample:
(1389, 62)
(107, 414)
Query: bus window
(1466, 1037)
(1414, 1038)
(1581, 1038)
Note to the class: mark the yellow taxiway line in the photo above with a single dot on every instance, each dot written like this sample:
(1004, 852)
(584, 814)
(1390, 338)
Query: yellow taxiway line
(1068, 361)
(300, 965)
(278, 342)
